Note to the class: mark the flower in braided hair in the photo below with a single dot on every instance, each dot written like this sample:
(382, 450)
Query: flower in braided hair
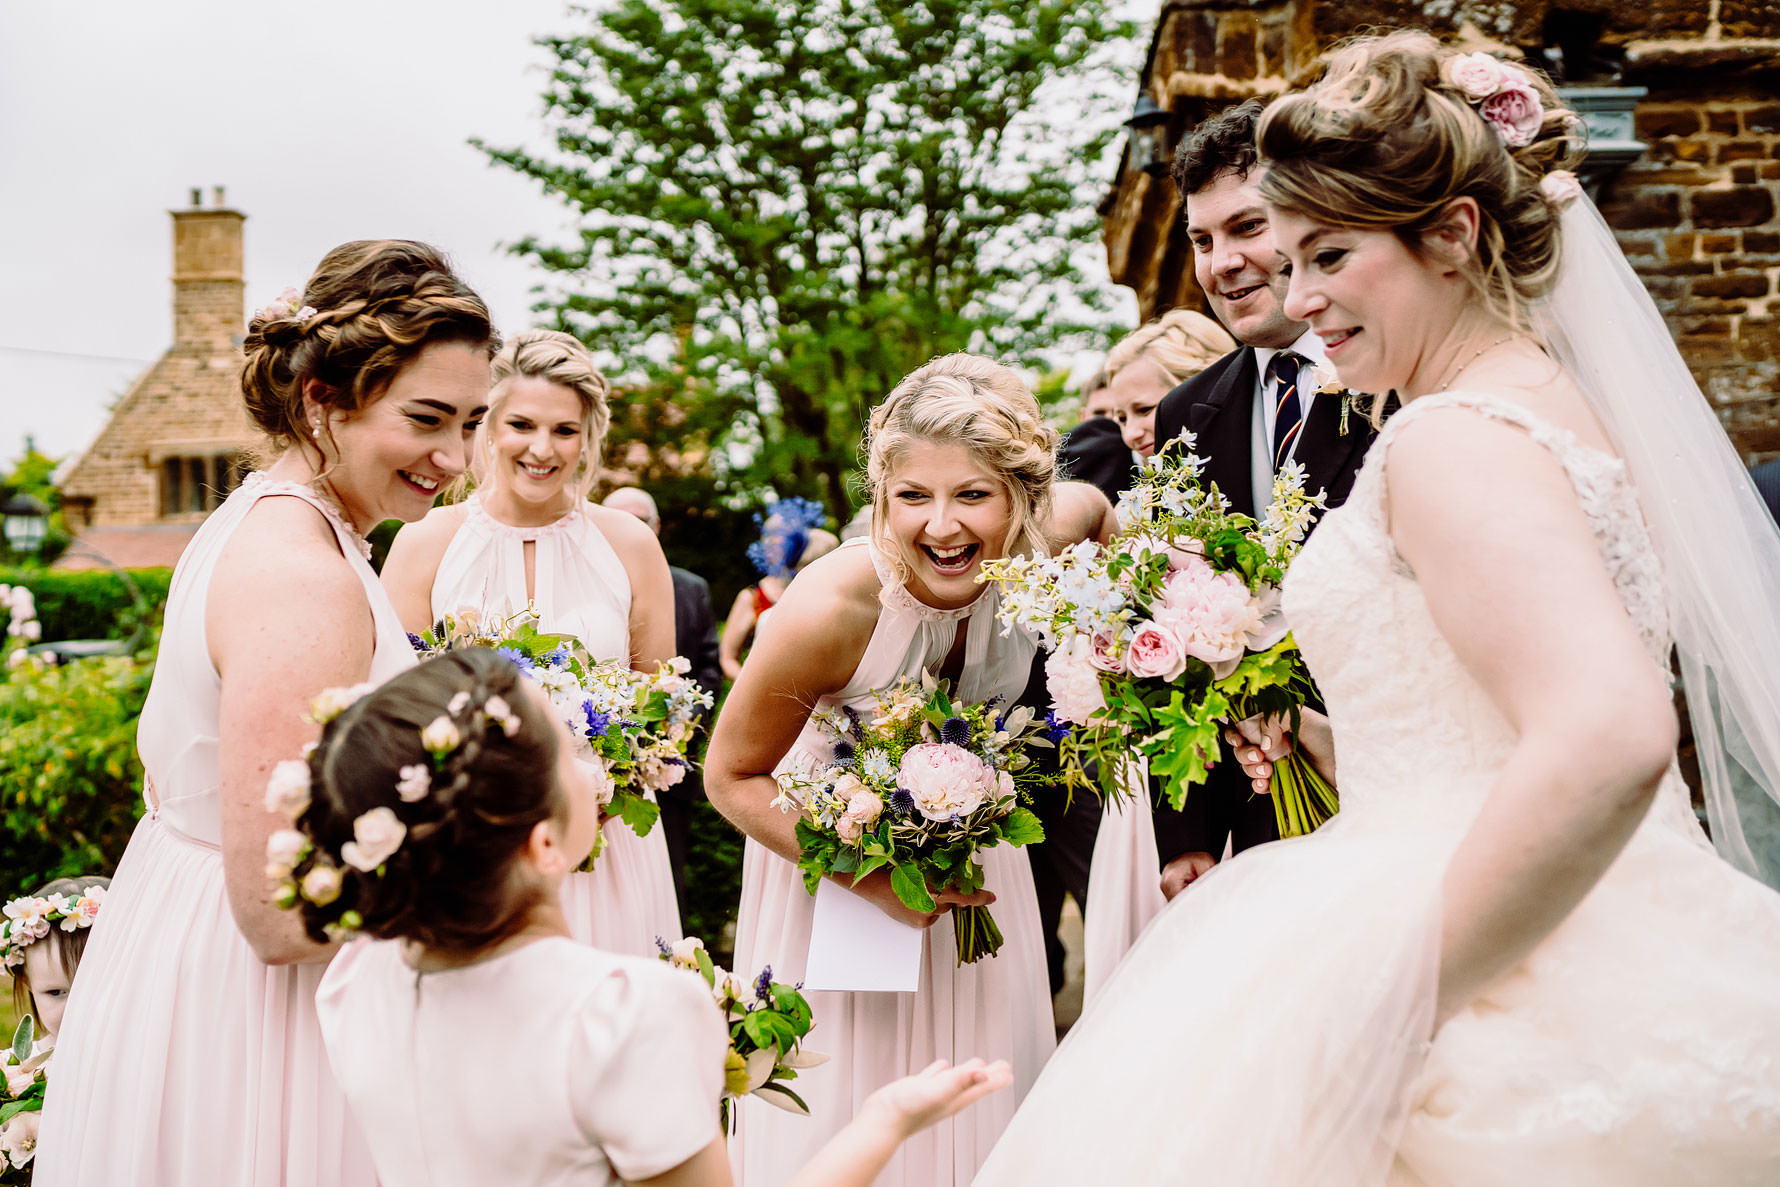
(287, 306)
(1500, 92)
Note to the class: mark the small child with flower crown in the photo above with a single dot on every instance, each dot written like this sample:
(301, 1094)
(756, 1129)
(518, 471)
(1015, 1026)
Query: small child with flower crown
(480, 1045)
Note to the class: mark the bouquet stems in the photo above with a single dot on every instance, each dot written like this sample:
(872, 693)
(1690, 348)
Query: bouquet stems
(1302, 799)
(977, 934)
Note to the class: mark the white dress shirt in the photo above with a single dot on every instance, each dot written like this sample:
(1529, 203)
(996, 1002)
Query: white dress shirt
(1310, 347)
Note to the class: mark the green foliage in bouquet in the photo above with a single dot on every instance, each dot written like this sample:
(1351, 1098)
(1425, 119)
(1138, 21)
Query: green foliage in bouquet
(21, 1093)
(767, 1022)
(919, 790)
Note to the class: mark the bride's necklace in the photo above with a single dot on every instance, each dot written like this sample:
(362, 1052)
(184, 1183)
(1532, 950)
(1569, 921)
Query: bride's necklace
(1446, 384)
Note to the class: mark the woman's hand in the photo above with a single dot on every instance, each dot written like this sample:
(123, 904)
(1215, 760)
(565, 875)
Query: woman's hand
(911, 1104)
(1259, 742)
(875, 888)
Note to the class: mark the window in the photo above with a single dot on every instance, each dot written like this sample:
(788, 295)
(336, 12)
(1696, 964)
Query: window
(198, 485)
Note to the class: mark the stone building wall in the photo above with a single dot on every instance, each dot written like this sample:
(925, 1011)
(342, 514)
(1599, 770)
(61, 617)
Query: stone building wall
(1698, 214)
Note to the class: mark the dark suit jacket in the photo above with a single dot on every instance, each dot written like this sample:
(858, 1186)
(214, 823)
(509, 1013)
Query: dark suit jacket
(1217, 406)
(1767, 481)
(1094, 451)
(695, 637)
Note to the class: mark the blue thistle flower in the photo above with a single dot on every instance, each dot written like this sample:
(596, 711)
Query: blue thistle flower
(844, 753)
(763, 984)
(597, 722)
(517, 658)
(1055, 730)
(955, 732)
(416, 642)
(902, 802)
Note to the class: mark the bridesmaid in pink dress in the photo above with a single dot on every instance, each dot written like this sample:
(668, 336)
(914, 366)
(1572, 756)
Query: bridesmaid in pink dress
(961, 470)
(190, 1051)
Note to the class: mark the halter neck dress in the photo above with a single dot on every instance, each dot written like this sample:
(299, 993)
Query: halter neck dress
(580, 589)
(183, 1058)
(998, 1008)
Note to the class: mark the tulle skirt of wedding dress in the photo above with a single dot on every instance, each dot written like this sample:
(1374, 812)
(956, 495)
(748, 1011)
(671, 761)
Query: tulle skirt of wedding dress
(1272, 1027)
(183, 1058)
(997, 1008)
(628, 899)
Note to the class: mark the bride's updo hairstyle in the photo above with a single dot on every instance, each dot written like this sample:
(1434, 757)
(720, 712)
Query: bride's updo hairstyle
(559, 358)
(370, 308)
(462, 818)
(1396, 128)
(968, 400)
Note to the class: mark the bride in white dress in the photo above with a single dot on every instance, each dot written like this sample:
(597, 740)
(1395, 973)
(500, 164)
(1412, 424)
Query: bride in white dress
(1513, 957)
(529, 537)
(190, 1052)
(961, 470)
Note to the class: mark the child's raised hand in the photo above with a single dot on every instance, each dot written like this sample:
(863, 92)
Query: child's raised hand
(912, 1103)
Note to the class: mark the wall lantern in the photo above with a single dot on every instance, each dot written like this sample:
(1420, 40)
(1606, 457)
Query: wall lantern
(1149, 136)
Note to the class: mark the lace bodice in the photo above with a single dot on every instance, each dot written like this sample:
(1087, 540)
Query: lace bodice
(580, 584)
(1408, 717)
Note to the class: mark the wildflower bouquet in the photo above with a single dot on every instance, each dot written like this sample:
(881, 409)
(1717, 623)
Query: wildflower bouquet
(21, 1103)
(1172, 630)
(919, 789)
(636, 726)
(767, 1023)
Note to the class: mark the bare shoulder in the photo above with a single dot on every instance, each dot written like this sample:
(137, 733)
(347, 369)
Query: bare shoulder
(629, 536)
(282, 575)
(431, 535)
(834, 601)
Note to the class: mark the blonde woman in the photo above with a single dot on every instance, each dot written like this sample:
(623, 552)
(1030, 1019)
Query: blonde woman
(1152, 361)
(961, 470)
(528, 536)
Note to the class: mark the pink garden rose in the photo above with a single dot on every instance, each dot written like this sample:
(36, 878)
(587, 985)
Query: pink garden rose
(865, 807)
(1102, 655)
(1156, 653)
(945, 780)
(1516, 112)
(1478, 76)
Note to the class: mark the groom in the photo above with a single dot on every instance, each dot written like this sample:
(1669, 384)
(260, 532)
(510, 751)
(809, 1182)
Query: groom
(1249, 414)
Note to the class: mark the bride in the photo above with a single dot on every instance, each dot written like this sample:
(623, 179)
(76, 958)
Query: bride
(1513, 958)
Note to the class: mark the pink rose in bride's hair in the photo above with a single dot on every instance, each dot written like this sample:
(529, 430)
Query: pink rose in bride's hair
(1156, 653)
(1102, 655)
(1516, 112)
(1477, 76)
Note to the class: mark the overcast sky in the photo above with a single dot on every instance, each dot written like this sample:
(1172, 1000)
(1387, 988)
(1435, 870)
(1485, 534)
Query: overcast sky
(326, 120)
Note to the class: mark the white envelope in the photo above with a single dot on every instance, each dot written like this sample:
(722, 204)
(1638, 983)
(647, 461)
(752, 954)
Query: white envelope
(854, 947)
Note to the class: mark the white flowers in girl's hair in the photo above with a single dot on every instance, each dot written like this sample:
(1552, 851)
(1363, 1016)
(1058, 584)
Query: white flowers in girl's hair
(460, 700)
(441, 737)
(376, 836)
(28, 919)
(321, 885)
(413, 782)
(285, 306)
(502, 715)
(329, 703)
(1503, 94)
(287, 791)
(284, 849)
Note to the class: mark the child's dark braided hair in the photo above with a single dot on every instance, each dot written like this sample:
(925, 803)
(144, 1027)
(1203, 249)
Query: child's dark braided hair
(465, 810)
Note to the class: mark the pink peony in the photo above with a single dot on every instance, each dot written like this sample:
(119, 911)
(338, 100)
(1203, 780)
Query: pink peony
(1213, 619)
(945, 780)
(1156, 653)
(1477, 76)
(1074, 684)
(1516, 112)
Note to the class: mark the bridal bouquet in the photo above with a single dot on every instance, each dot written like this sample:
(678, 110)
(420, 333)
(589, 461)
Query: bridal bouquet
(634, 727)
(21, 1103)
(767, 1023)
(1173, 630)
(920, 789)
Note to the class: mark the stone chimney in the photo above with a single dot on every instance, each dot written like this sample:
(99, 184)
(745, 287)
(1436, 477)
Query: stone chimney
(208, 289)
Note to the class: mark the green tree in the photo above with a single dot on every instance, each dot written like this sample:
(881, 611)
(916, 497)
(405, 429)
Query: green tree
(784, 206)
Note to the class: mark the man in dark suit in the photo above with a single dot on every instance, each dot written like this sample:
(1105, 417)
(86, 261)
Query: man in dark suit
(695, 637)
(1250, 412)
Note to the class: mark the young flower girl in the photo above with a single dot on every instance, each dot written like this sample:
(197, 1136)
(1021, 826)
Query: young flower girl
(475, 1042)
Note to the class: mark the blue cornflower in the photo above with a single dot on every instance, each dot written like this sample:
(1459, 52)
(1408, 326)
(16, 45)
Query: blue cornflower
(763, 984)
(902, 802)
(955, 732)
(597, 722)
(844, 752)
(558, 658)
(416, 642)
(1055, 730)
(517, 658)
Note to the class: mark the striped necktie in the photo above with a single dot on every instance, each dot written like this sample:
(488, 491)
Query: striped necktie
(1288, 412)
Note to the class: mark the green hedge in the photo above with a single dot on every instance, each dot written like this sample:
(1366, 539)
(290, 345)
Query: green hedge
(70, 781)
(90, 603)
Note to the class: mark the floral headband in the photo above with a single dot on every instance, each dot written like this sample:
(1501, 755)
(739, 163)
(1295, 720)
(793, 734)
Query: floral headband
(286, 308)
(28, 919)
(1502, 93)
(376, 834)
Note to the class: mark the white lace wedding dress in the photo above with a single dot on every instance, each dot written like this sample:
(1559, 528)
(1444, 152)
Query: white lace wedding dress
(1272, 1027)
